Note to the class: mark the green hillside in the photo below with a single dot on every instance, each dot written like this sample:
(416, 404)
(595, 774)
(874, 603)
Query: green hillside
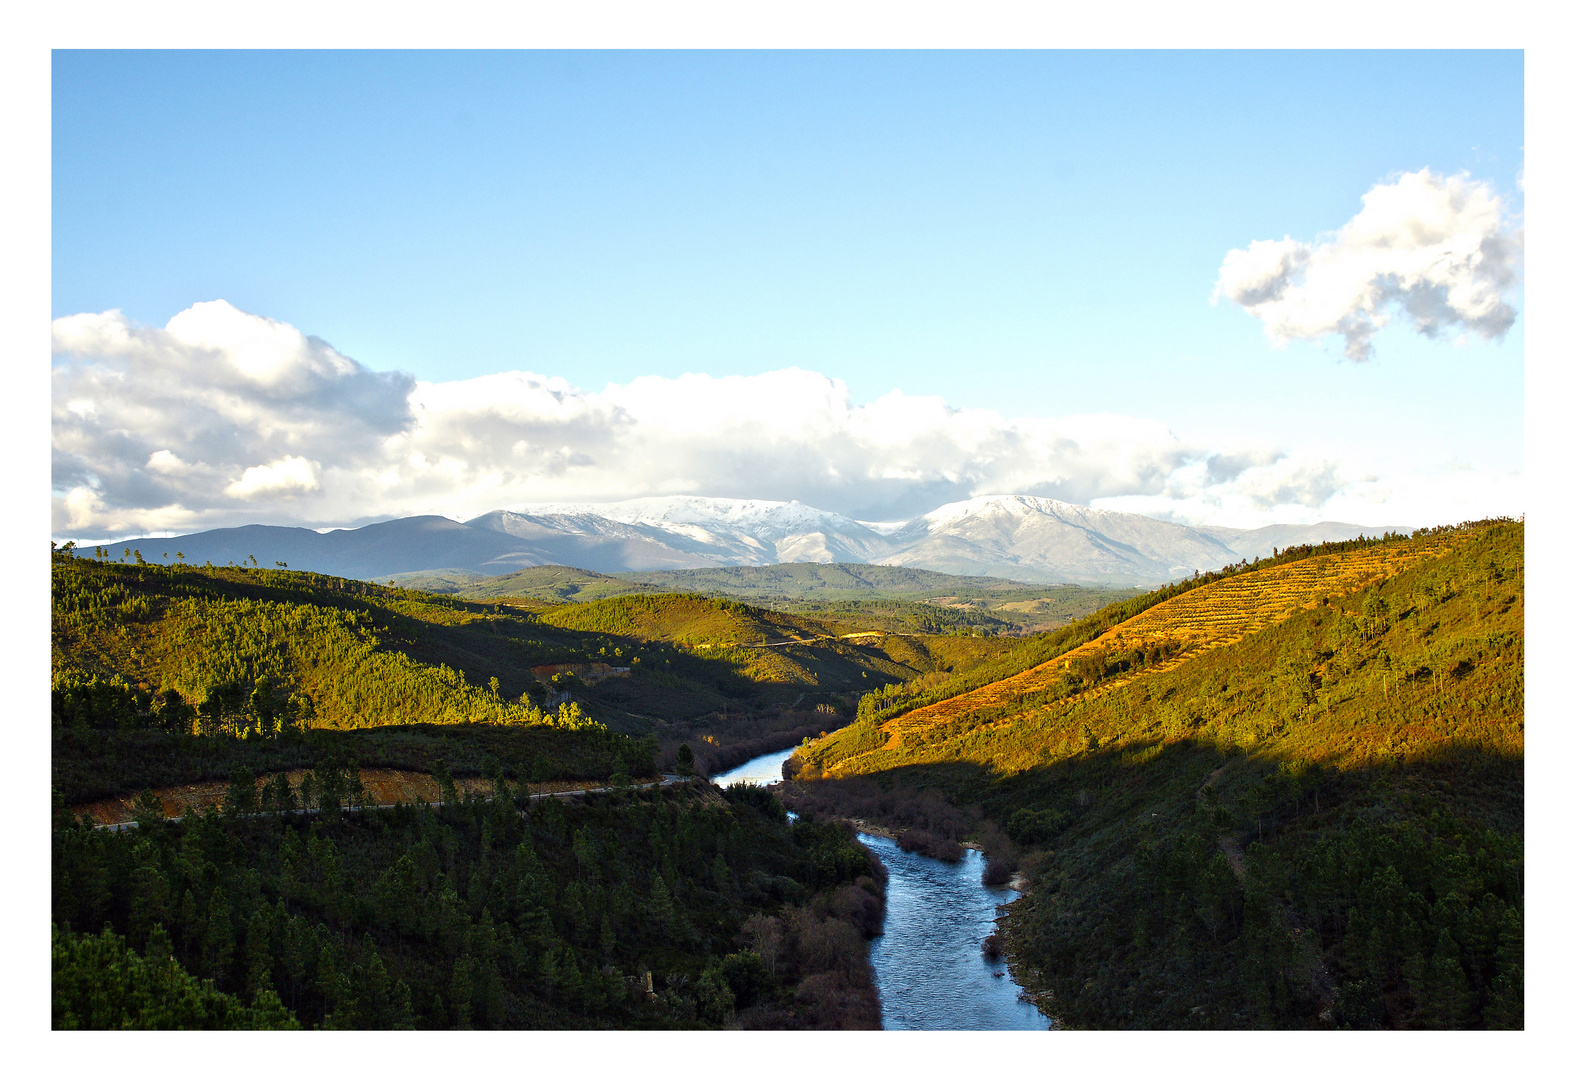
(299, 903)
(1311, 819)
(895, 598)
(762, 655)
(555, 584)
(236, 651)
(685, 619)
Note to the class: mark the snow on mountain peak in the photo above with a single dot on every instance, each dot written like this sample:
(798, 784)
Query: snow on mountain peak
(766, 518)
(1014, 505)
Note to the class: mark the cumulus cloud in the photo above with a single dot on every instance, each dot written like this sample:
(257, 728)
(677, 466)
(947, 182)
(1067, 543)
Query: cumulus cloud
(170, 427)
(286, 477)
(1250, 486)
(1440, 252)
(223, 418)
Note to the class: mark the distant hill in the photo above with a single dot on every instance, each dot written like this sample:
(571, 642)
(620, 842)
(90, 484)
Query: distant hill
(796, 581)
(895, 598)
(1017, 537)
(376, 551)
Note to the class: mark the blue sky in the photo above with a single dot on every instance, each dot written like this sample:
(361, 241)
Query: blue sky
(1035, 234)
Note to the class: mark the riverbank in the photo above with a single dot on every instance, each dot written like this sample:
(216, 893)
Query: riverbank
(930, 969)
(846, 996)
(919, 820)
(936, 916)
(716, 761)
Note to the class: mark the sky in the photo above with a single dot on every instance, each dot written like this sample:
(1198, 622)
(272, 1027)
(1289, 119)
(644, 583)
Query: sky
(1221, 288)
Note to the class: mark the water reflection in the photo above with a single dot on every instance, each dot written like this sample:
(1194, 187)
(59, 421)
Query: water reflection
(929, 968)
(766, 769)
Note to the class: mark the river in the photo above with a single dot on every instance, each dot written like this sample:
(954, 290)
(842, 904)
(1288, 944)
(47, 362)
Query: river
(929, 969)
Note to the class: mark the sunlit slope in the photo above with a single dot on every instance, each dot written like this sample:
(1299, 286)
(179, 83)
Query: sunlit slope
(685, 619)
(1312, 818)
(1171, 634)
(334, 653)
(770, 647)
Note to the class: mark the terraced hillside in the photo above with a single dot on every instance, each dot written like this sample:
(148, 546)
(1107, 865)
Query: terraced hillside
(1157, 639)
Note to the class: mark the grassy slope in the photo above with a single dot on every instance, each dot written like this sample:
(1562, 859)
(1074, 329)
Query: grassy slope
(1365, 751)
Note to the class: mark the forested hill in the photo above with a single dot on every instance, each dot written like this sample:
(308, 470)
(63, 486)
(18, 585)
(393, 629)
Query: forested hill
(679, 908)
(784, 581)
(232, 648)
(1291, 797)
(297, 902)
(234, 651)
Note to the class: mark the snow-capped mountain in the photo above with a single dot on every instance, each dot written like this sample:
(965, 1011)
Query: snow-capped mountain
(1012, 536)
(1033, 539)
(1016, 536)
(720, 532)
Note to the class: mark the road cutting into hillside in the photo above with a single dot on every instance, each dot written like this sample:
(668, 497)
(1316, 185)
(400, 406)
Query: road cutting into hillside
(384, 788)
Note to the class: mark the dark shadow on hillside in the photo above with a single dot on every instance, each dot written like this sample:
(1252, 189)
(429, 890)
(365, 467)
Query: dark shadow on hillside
(1266, 792)
(1172, 886)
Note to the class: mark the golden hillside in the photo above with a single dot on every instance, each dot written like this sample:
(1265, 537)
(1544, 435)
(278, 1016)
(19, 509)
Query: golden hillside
(1172, 633)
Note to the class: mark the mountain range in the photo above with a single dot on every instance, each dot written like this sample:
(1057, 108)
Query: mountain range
(1020, 537)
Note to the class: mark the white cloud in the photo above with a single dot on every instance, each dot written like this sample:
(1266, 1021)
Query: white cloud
(1442, 252)
(285, 477)
(162, 425)
(162, 461)
(1248, 487)
(223, 418)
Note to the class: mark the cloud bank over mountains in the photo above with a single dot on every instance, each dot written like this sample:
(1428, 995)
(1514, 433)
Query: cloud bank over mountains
(1440, 252)
(222, 417)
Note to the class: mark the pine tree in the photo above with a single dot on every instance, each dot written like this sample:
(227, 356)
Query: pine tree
(659, 908)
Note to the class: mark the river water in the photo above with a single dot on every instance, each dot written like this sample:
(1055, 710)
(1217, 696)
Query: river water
(929, 969)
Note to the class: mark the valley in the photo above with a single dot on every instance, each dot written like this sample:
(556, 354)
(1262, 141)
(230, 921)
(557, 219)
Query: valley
(1285, 793)
(1306, 814)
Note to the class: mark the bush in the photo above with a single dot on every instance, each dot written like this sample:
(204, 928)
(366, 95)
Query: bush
(997, 872)
(929, 843)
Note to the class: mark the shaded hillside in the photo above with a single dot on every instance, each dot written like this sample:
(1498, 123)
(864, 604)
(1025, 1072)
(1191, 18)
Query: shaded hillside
(1309, 814)
(765, 652)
